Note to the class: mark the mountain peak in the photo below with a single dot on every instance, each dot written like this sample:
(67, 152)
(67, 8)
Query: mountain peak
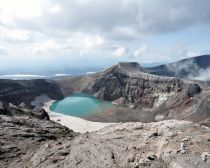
(130, 66)
(126, 68)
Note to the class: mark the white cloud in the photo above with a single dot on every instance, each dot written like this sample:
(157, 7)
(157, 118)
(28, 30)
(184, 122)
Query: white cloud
(22, 9)
(139, 16)
(203, 75)
(93, 41)
(76, 44)
(139, 52)
(194, 53)
(124, 33)
(55, 9)
(45, 46)
(14, 35)
(119, 52)
(74, 30)
(124, 18)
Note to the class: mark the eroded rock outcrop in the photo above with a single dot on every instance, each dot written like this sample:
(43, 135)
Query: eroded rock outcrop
(22, 138)
(129, 81)
(37, 143)
(163, 144)
(12, 110)
(149, 97)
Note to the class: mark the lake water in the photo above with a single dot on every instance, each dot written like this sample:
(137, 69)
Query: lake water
(81, 105)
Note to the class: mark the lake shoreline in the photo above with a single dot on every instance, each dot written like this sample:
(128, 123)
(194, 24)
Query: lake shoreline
(81, 105)
(76, 124)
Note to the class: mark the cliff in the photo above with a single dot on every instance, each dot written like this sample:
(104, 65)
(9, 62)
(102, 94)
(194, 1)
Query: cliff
(146, 97)
(25, 91)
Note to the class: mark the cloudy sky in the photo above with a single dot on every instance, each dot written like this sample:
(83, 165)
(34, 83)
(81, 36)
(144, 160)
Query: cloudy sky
(101, 32)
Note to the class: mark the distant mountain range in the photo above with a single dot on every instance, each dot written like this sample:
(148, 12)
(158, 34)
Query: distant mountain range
(197, 68)
(47, 72)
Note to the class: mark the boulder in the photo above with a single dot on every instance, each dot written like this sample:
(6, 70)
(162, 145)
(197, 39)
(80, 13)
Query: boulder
(193, 90)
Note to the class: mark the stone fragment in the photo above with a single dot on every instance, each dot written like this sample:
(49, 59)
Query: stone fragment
(205, 155)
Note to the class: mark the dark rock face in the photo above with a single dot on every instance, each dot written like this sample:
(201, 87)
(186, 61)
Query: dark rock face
(193, 90)
(131, 83)
(22, 112)
(25, 91)
(2, 109)
(44, 115)
(21, 138)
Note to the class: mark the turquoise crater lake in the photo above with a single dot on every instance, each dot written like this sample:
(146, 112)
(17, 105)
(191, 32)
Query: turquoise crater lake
(81, 105)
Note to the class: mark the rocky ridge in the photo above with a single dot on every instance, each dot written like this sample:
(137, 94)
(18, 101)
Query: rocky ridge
(190, 68)
(143, 94)
(39, 143)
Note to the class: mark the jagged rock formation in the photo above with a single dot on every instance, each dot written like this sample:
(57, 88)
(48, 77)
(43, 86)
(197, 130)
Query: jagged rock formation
(39, 143)
(13, 110)
(149, 97)
(129, 81)
(190, 68)
(25, 91)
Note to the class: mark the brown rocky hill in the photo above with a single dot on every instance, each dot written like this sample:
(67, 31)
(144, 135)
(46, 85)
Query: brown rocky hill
(143, 95)
(45, 144)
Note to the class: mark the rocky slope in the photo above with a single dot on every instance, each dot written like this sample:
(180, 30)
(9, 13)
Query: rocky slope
(190, 68)
(145, 97)
(21, 138)
(25, 91)
(39, 143)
